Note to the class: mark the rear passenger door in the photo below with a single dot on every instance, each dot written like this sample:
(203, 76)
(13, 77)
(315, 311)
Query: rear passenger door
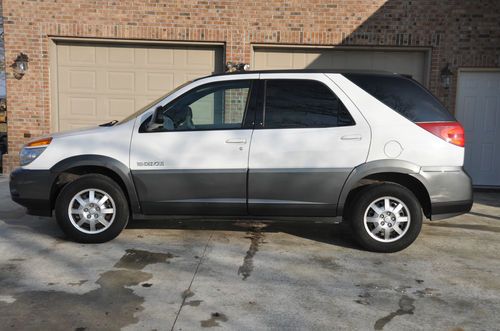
(306, 141)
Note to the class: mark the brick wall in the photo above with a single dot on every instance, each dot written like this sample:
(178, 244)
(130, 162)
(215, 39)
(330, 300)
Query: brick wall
(464, 33)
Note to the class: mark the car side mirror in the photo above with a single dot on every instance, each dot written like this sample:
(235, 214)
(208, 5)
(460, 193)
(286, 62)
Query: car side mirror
(158, 115)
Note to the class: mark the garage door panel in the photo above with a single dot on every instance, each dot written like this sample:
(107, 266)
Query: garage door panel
(120, 107)
(120, 81)
(77, 55)
(77, 80)
(157, 82)
(164, 57)
(405, 62)
(120, 55)
(99, 83)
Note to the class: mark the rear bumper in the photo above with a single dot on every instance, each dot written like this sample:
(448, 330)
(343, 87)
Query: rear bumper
(441, 210)
(32, 189)
(450, 191)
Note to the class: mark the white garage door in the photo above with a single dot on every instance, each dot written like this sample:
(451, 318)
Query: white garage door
(411, 63)
(478, 109)
(97, 83)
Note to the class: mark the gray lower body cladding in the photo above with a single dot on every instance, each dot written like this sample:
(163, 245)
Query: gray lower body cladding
(260, 192)
(450, 191)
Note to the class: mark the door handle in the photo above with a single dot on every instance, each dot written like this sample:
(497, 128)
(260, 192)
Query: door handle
(236, 141)
(351, 137)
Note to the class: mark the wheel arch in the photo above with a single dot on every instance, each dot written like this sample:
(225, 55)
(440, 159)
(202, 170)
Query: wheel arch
(68, 169)
(389, 171)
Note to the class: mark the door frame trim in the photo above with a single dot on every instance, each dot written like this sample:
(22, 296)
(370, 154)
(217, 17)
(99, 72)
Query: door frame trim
(426, 50)
(54, 41)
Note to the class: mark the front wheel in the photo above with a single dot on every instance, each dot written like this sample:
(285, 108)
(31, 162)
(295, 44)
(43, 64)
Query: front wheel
(385, 217)
(92, 209)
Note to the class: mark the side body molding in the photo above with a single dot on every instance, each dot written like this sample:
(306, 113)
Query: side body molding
(374, 167)
(106, 162)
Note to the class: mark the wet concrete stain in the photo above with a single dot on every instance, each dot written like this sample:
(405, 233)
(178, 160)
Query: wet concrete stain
(213, 320)
(326, 262)
(193, 303)
(406, 307)
(65, 311)
(111, 306)
(364, 298)
(427, 292)
(137, 259)
(256, 238)
(188, 294)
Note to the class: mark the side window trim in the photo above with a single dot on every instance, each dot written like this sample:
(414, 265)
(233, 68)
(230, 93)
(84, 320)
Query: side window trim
(263, 98)
(247, 115)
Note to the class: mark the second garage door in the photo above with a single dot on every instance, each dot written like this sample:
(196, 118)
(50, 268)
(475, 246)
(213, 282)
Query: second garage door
(409, 62)
(97, 83)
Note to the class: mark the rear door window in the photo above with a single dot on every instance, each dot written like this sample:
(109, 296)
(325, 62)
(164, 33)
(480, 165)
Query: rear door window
(301, 103)
(404, 96)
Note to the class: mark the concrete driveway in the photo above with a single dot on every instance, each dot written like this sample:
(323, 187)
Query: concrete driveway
(187, 275)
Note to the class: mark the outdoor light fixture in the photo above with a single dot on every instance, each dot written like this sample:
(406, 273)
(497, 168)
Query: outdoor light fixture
(446, 75)
(232, 67)
(20, 65)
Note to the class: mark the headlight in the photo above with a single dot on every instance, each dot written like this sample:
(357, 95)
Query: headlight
(33, 150)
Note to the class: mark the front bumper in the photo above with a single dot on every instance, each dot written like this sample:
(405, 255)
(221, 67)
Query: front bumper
(32, 189)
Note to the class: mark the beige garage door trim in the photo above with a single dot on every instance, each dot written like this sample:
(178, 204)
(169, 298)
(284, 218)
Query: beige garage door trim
(94, 81)
(411, 54)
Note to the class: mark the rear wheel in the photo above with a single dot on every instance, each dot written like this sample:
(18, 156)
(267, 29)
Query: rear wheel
(385, 217)
(92, 209)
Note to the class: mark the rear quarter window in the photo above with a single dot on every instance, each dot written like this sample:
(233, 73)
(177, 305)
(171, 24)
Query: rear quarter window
(404, 96)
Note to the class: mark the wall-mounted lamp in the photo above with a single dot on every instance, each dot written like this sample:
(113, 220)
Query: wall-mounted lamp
(446, 75)
(232, 67)
(20, 65)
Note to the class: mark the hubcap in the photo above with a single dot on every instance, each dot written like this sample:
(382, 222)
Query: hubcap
(387, 219)
(91, 211)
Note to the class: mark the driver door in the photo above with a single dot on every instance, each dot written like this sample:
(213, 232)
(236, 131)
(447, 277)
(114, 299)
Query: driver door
(198, 168)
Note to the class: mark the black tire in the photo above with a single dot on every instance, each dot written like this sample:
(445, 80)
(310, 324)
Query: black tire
(360, 205)
(100, 183)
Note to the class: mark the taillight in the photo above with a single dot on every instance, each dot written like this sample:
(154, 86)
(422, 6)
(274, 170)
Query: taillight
(451, 132)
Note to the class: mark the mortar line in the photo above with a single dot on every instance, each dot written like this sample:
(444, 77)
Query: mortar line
(192, 280)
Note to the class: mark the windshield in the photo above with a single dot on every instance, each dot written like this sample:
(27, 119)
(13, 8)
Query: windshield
(151, 104)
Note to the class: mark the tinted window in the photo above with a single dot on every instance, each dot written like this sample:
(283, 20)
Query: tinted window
(403, 95)
(292, 103)
(211, 106)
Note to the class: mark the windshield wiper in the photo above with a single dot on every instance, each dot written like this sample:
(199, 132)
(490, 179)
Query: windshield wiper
(113, 122)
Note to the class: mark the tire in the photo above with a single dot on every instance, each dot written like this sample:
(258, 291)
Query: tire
(108, 210)
(402, 217)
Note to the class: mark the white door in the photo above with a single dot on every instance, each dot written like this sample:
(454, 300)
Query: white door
(195, 159)
(310, 139)
(478, 109)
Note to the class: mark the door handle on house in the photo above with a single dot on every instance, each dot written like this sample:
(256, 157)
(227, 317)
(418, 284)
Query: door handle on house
(351, 137)
(236, 141)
